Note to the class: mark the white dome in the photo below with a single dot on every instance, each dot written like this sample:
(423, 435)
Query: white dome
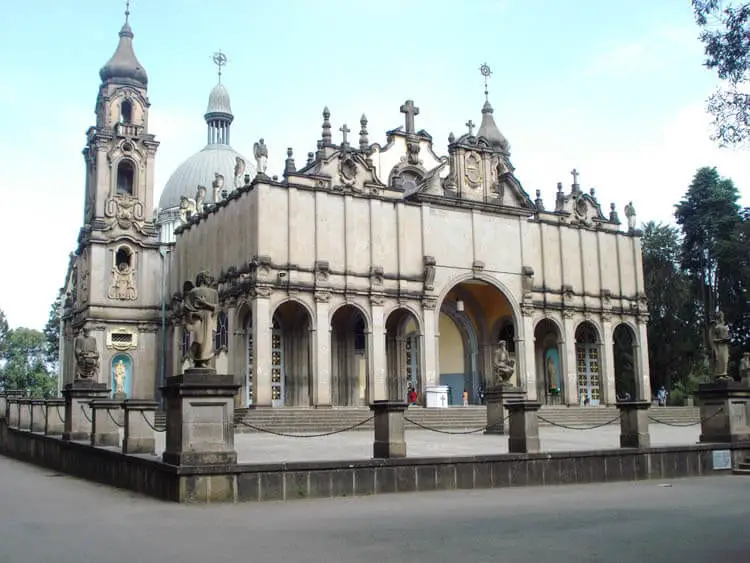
(218, 101)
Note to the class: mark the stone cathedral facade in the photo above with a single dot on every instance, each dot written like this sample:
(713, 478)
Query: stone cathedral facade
(366, 271)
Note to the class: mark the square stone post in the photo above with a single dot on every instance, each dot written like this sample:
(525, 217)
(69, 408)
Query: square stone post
(3, 405)
(634, 424)
(37, 415)
(723, 408)
(200, 418)
(389, 429)
(496, 399)
(24, 414)
(77, 410)
(12, 412)
(54, 421)
(139, 426)
(524, 427)
(105, 429)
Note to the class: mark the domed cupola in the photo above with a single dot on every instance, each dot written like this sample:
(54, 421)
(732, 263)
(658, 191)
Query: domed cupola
(124, 67)
(218, 115)
(489, 130)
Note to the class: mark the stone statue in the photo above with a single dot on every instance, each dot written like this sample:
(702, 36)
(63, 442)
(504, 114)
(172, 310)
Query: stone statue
(745, 368)
(217, 185)
(120, 372)
(199, 306)
(720, 345)
(187, 208)
(630, 214)
(200, 199)
(551, 368)
(87, 356)
(239, 169)
(502, 364)
(260, 150)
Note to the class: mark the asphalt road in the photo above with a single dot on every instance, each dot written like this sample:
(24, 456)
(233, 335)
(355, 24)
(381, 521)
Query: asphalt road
(47, 517)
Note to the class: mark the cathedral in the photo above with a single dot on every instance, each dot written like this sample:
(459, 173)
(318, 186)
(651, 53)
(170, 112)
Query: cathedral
(367, 271)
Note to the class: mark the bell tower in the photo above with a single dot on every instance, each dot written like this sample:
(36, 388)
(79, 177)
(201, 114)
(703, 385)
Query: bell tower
(114, 280)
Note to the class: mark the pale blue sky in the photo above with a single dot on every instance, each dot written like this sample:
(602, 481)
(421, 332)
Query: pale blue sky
(613, 88)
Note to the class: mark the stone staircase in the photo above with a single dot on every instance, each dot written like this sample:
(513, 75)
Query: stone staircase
(743, 468)
(300, 420)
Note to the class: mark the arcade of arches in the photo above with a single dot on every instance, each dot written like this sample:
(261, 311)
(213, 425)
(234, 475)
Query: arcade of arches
(473, 317)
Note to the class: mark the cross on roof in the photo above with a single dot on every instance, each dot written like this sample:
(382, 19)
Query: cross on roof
(410, 110)
(470, 125)
(127, 10)
(575, 175)
(344, 130)
(220, 60)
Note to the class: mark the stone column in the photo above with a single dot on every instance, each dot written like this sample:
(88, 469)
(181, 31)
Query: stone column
(528, 366)
(569, 357)
(54, 421)
(429, 345)
(608, 363)
(37, 415)
(524, 427)
(379, 391)
(105, 430)
(389, 429)
(139, 426)
(644, 387)
(723, 408)
(200, 418)
(262, 352)
(24, 414)
(322, 352)
(634, 424)
(496, 399)
(77, 411)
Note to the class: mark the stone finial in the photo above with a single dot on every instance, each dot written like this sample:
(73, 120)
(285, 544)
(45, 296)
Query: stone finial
(592, 191)
(538, 201)
(451, 138)
(364, 143)
(310, 158)
(613, 217)
(327, 139)
(247, 179)
(289, 167)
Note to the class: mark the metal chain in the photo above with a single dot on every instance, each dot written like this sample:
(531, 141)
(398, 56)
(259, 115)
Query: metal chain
(618, 417)
(154, 428)
(680, 425)
(86, 416)
(57, 410)
(109, 413)
(459, 432)
(322, 434)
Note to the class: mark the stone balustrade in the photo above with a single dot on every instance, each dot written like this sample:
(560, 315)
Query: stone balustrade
(37, 415)
(105, 426)
(24, 414)
(54, 421)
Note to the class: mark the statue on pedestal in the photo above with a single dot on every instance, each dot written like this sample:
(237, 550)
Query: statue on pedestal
(200, 304)
(260, 151)
(120, 372)
(630, 215)
(87, 356)
(502, 364)
(720, 346)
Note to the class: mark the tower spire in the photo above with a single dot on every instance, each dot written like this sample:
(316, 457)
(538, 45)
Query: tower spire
(127, 11)
(486, 72)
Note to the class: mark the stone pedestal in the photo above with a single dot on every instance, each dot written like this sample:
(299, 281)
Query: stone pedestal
(634, 424)
(37, 415)
(496, 399)
(24, 414)
(200, 418)
(524, 427)
(54, 421)
(105, 430)
(389, 438)
(77, 411)
(139, 426)
(724, 406)
(436, 396)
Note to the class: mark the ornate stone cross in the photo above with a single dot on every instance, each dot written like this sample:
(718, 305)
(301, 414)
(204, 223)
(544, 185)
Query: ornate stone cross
(344, 131)
(470, 125)
(575, 175)
(410, 110)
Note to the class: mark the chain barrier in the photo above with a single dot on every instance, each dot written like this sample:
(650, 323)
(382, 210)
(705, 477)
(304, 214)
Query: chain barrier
(57, 410)
(683, 425)
(321, 435)
(109, 413)
(154, 428)
(458, 432)
(85, 415)
(567, 427)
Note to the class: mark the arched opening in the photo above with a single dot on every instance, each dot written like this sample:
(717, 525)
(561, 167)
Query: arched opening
(348, 357)
(588, 366)
(124, 259)
(624, 357)
(243, 353)
(125, 178)
(402, 352)
(548, 353)
(474, 317)
(291, 381)
(126, 112)
(221, 343)
(122, 376)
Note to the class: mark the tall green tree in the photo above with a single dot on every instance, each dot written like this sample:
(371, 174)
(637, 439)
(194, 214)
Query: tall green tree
(726, 37)
(24, 365)
(52, 333)
(3, 331)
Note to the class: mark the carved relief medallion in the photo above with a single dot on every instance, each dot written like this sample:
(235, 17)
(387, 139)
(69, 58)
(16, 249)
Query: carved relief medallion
(125, 211)
(473, 169)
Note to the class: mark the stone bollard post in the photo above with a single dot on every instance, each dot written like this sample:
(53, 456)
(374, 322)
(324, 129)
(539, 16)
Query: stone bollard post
(723, 407)
(24, 414)
(200, 418)
(77, 410)
(139, 426)
(496, 398)
(37, 415)
(634, 424)
(524, 427)
(54, 421)
(105, 430)
(389, 429)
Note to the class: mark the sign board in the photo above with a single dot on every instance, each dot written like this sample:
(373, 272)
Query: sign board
(722, 459)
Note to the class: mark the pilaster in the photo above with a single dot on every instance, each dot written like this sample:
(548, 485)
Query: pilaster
(262, 349)
(378, 362)
(608, 363)
(429, 347)
(527, 369)
(640, 351)
(322, 351)
(569, 359)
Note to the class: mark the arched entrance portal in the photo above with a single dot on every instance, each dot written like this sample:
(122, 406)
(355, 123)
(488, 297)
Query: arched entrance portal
(402, 351)
(588, 366)
(243, 345)
(624, 356)
(290, 356)
(474, 316)
(348, 357)
(548, 353)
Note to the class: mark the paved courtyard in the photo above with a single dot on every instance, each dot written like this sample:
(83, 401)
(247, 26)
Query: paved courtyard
(257, 447)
